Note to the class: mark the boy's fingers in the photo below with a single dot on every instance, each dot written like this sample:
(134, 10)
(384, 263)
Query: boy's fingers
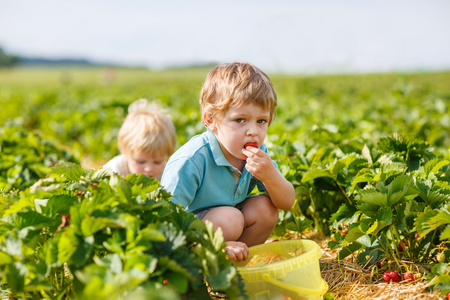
(250, 149)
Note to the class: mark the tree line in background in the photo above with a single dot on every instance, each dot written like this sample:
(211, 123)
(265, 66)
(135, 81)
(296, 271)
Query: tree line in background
(7, 60)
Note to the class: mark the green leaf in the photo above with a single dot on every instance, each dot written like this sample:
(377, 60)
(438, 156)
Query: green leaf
(434, 165)
(302, 223)
(399, 184)
(5, 258)
(337, 167)
(383, 189)
(67, 245)
(445, 235)
(68, 171)
(394, 198)
(121, 186)
(376, 227)
(430, 220)
(32, 218)
(373, 197)
(59, 204)
(435, 197)
(90, 225)
(354, 234)
(178, 281)
(146, 237)
(316, 173)
(384, 215)
(16, 274)
(348, 250)
(442, 218)
(423, 186)
(361, 178)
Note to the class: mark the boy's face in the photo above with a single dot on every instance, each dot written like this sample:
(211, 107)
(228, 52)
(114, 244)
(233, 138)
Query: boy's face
(239, 126)
(141, 163)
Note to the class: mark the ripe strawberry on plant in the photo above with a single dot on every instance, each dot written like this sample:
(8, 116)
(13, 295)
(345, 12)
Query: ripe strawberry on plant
(378, 264)
(409, 276)
(391, 276)
(401, 245)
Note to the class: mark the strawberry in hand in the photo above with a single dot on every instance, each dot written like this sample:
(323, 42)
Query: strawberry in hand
(251, 144)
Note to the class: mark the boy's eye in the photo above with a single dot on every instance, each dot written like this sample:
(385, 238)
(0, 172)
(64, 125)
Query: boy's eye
(239, 120)
(262, 121)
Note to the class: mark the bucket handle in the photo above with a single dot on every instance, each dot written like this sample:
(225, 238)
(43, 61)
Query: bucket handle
(295, 288)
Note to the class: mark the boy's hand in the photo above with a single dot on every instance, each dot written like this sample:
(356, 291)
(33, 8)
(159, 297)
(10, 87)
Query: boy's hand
(259, 163)
(236, 251)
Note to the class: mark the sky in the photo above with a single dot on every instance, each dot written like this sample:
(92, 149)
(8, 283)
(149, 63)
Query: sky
(288, 36)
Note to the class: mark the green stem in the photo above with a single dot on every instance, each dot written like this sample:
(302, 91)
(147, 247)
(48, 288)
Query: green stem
(343, 192)
(382, 246)
(427, 254)
(395, 252)
(406, 249)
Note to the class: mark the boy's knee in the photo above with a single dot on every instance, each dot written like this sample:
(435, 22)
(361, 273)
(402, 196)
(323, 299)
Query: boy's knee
(267, 209)
(229, 219)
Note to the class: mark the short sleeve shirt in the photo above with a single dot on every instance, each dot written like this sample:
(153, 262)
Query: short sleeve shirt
(199, 176)
(118, 164)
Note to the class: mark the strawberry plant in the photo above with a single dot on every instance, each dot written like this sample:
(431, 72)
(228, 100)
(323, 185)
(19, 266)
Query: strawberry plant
(395, 200)
(26, 157)
(94, 234)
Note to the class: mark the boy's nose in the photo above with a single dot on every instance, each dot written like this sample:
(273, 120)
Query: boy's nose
(252, 130)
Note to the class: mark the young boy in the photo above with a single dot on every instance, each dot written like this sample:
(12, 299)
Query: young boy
(213, 174)
(146, 139)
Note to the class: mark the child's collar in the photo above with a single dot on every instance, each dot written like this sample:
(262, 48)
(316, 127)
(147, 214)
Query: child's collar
(217, 153)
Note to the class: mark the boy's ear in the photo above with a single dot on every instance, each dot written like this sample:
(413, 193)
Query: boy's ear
(208, 120)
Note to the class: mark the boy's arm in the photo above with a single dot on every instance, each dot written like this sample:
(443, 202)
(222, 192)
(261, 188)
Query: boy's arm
(280, 191)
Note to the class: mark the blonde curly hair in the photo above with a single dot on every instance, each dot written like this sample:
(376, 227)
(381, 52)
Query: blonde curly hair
(236, 84)
(147, 129)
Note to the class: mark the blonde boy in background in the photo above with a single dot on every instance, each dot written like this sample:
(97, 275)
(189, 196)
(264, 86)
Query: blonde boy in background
(146, 139)
(213, 174)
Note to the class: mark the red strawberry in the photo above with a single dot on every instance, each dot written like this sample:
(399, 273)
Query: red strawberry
(408, 276)
(401, 245)
(395, 276)
(391, 276)
(252, 144)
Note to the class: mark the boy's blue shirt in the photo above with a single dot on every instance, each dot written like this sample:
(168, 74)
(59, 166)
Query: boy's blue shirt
(199, 176)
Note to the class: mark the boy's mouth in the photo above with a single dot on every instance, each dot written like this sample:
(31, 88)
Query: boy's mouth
(252, 144)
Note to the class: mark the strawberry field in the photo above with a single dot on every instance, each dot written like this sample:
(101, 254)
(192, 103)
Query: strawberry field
(368, 155)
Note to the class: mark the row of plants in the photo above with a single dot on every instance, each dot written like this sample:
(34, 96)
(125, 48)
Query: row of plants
(85, 114)
(72, 233)
(383, 197)
(387, 204)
